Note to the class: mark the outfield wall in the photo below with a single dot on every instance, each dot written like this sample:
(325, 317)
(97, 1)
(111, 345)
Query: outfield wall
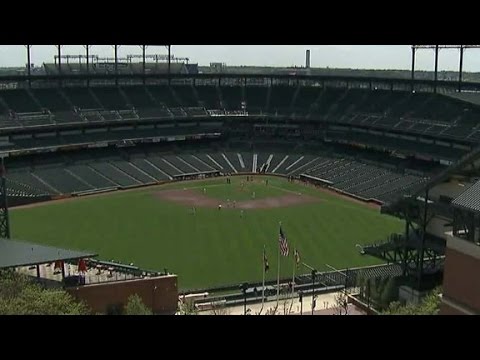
(345, 193)
(317, 182)
(25, 200)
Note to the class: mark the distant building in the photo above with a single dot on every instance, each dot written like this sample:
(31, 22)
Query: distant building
(218, 67)
(192, 68)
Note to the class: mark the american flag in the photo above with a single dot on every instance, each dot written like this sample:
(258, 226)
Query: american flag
(282, 242)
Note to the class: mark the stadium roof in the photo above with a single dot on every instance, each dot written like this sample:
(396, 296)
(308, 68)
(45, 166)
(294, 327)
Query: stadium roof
(14, 253)
(469, 199)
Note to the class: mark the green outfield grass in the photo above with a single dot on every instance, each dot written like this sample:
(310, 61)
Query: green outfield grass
(214, 247)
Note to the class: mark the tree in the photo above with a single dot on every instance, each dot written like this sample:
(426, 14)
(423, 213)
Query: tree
(286, 301)
(430, 305)
(287, 305)
(187, 308)
(135, 306)
(12, 284)
(271, 311)
(379, 292)
(219, 308)
(431, 302)
(341, 303)
(20, 296)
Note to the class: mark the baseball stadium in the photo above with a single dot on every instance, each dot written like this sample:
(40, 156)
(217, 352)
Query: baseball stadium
(238, 187)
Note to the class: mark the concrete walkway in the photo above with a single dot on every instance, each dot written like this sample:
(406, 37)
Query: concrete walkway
(325, 305)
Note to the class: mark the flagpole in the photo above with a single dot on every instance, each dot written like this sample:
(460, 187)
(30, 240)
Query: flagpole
(293, 279)
(263, 282)
(278, 271)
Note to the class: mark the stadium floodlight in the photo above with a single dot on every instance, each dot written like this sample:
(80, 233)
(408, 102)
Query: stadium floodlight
(417, 47)
(437, 48)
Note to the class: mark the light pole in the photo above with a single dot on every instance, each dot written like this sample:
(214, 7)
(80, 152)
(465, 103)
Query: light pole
(368, 294)
(244, 288)
(314, 272)
(300, 297)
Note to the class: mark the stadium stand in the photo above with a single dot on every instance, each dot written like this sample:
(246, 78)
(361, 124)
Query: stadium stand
(114, 174)
(196, 163)
(138, 97)
(52, 99)
(20, 101)
(232, 97)
(91, 177)
(255, 98)
(209, 97)
(399, 124)
(82, 98)
(110, 168)
(432, 115)
(163, 95)
(150, 169)
(281, 98)
(110, 98)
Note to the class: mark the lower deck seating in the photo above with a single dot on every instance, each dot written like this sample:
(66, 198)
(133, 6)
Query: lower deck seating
(89, 175)
(62, 181)
(150, 169)
(364, 179)
(164, 166)
(200, 165)
(114, 174)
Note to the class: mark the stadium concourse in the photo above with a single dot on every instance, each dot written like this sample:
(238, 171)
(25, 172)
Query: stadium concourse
(325, 304)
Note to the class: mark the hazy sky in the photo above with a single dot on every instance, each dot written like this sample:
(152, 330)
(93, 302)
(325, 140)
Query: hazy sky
(340, 56)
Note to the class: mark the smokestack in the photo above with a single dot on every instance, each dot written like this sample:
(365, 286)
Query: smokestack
(307, 60)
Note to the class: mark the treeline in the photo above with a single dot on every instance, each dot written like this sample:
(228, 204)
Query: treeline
(382, 294)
